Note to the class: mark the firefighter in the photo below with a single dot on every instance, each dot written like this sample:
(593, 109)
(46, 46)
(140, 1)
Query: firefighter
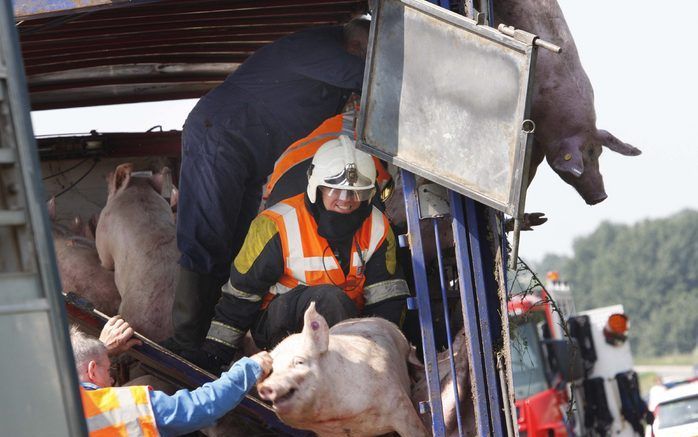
(230, 141)
(327, 245)
(142, 411)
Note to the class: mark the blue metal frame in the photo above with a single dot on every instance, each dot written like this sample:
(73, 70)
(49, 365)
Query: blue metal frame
(447, 321)
(470, 314)
(423, 301)
(478, 306)
(485, 311)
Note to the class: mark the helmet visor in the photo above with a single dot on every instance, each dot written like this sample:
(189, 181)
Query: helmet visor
(344, 195)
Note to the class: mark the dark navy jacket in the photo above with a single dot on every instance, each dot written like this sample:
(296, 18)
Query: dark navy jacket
(291, 85)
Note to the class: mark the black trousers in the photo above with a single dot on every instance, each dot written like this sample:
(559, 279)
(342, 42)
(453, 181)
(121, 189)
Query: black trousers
(284, 315)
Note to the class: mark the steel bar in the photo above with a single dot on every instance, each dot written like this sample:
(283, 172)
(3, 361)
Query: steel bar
(447, 322)
(481, 294)
(470, 318)
(423, 303)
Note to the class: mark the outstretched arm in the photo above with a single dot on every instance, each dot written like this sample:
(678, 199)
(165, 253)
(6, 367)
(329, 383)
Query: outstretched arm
(187, 411)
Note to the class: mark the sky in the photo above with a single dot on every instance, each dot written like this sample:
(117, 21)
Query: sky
(646, 93)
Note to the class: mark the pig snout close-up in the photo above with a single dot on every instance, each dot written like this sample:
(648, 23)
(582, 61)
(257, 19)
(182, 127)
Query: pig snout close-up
(348, 380)
(136, 239)
(563, 101)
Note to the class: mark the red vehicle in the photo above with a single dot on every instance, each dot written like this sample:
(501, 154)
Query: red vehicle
(539, 389)
(596, 357)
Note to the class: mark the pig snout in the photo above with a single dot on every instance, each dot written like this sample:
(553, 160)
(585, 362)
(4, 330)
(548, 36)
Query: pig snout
(276, 392)
(596, 198)
(280, 393)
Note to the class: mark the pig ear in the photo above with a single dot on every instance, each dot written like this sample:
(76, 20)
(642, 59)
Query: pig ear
(51, 206)
(159, 179)
(316, 333)
(120, 177)
(92, 225)
(567, 159)
(174, 198)
(613, 143)
(78, 225)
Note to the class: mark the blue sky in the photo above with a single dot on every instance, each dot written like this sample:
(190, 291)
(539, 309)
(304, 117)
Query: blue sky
(640, 63)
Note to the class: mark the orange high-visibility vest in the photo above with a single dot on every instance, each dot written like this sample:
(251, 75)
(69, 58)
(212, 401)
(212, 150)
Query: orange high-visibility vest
(305, 148)
(308, 258)
(119, 411)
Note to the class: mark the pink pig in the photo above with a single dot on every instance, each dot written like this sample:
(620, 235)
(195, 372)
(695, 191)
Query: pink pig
(351, 380)
(136, 238)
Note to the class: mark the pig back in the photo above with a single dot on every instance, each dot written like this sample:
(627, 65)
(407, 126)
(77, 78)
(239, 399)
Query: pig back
(379, 334)
(136, 237)
(81, 272)
(563, 98)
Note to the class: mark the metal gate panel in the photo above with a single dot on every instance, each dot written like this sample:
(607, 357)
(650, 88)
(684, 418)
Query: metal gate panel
(447, 99)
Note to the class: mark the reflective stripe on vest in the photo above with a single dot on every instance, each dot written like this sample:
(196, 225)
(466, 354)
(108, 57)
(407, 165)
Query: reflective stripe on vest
(305, 252)
(119, 411)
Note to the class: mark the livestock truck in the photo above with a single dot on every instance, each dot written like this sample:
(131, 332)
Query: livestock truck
(572, 371)
(101, 52)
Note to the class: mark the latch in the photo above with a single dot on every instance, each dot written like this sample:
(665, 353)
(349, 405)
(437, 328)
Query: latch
(528, 38)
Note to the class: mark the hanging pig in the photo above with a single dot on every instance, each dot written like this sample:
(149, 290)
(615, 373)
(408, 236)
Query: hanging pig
(351, 380)
(563, 101)
(136, 238)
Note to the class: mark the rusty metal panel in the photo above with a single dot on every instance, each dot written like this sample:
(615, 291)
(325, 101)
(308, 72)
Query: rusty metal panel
(447, 99)
(61, 40)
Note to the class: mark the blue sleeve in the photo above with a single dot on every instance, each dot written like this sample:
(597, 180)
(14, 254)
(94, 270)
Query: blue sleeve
(187, 411)
(342, 71)
(324, 59)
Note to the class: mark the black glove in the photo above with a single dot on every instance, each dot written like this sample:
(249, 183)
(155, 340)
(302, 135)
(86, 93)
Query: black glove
(213, 356)
(208, 361)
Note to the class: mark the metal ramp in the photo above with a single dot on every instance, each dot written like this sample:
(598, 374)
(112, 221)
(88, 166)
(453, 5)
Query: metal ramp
(40, 386)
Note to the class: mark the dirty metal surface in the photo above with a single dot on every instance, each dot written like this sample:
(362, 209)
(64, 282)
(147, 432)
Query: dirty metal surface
(446, 98)
(94, 52)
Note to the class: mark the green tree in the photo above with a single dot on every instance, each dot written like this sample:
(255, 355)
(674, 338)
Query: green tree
(651, 268)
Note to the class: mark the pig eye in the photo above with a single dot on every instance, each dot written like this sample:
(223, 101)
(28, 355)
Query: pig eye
(298, 361)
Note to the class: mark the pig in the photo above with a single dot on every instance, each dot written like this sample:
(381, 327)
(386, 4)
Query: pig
(351, 380)
(79, 265)
(563, 101)
(136, 239)
(420, 390)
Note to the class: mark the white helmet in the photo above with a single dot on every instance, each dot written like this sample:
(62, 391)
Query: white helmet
(339, 165)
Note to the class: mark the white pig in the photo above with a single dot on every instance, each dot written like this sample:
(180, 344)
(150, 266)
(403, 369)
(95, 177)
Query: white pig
(136, 238)
(351, 380)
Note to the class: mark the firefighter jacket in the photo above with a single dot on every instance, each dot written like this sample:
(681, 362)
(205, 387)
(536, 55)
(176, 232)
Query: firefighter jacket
(292, 165)
(119, 411)
(283, 250)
